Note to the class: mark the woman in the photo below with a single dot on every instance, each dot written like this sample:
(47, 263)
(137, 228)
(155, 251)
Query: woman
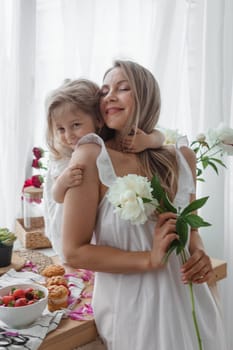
(139, 302)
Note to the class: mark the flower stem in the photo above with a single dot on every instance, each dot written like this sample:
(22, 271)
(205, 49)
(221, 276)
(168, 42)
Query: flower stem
(208, 151)
(184, 259)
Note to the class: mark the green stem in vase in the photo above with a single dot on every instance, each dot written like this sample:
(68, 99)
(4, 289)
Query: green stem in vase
(184, 259)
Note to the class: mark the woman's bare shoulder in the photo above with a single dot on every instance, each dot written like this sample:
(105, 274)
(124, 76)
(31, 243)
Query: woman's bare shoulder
(190, 157)
(186, 151)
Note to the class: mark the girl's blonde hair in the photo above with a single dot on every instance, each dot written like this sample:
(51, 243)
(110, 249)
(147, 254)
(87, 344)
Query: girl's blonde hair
(146, 92)
(72, 95)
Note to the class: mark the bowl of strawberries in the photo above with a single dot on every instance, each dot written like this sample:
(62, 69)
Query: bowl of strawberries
(22, 304)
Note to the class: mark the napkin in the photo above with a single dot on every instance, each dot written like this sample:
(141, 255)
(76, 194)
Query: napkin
(34, 334)
(14, 277)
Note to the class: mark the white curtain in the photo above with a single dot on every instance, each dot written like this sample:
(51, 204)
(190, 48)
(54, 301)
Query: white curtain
(227, 100)
(17, 60)
(187, 44)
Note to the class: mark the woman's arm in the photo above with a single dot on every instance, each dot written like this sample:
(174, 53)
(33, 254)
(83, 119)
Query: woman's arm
(80, 211)
(198, 268)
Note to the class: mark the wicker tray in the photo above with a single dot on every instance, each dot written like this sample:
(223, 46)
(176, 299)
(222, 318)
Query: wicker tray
(17, 262)
(33, 237)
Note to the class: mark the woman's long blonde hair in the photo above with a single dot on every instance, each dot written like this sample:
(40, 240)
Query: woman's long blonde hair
(145, 89)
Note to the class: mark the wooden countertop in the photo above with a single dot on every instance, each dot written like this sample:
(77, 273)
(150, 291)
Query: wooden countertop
(70, 334)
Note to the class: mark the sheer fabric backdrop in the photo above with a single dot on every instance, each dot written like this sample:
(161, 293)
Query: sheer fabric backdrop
(17, 66)
(186, 44)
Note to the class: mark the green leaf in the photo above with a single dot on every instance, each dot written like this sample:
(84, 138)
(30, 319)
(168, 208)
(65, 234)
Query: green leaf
(205, 162)
(198, 203)
(200, 179)
(167, 204)
(213, 167)
(174, 245)
(219, 161)
(146, 200)
(195, 221)
(182, 231)
(158, 191)
(196, 149)
(194, 142)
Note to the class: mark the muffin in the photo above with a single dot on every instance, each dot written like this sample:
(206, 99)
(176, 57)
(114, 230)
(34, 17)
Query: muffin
(56, 280)
(57, 298)
(53, 270)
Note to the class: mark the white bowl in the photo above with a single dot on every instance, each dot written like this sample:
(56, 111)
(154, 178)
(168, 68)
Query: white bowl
(23, 316)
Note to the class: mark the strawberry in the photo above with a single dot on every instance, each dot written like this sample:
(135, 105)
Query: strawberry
(18, 293)
(7, 299)
(21, 302)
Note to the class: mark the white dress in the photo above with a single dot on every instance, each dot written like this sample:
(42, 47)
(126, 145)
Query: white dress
(152, 310)
(53, 211)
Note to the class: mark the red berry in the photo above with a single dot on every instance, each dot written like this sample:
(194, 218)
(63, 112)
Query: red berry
(21, 302)
(18, 293)
(7, 299)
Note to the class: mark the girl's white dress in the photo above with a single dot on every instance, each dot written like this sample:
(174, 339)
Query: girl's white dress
(53, 211)
(151, 310)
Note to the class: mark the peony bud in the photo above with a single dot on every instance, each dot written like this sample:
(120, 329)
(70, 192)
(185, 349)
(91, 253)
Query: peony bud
(37, 164)
(201, 137)
(38, 152)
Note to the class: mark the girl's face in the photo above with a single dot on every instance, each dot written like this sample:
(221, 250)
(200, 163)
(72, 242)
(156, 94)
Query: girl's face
(116, 102)
(70, 126)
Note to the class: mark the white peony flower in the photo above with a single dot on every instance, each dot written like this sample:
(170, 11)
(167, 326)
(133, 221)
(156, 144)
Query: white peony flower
(222, 137)
(171, 136)
(132, 198)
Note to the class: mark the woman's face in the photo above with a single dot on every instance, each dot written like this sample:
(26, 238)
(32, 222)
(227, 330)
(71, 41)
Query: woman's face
(116, 102)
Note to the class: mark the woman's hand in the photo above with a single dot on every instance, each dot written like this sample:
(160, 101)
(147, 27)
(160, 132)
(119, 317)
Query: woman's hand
(198, 268)
(164, 234)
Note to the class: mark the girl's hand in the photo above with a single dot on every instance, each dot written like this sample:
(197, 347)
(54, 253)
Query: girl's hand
(71, 176)
(164, 234)
(198, 268)
(135, 143)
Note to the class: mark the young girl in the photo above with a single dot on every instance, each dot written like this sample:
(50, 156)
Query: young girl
(72, 112)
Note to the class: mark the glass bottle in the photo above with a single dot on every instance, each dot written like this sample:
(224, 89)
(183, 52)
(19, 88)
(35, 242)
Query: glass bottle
(32, 207)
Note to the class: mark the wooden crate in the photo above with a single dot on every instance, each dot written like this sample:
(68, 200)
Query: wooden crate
(220, 270)
(33, 237)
